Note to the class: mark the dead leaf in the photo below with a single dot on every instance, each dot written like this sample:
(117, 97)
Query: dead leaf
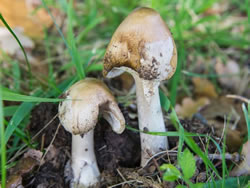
(9, 44)
(189, 107)
(230, 76)
(14, 181)
(222, 113)
(244, 167)
(203, 87)
(229, 68)
(26, 165)
(22, 13)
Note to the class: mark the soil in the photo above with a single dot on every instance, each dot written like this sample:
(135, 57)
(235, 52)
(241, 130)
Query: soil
(118, 156)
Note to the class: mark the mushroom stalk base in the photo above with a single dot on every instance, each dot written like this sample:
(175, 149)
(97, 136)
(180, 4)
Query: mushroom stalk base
(150, 118)
(84, 165)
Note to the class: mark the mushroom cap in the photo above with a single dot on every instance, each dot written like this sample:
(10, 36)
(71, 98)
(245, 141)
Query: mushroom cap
(143, 43)
(84, 101)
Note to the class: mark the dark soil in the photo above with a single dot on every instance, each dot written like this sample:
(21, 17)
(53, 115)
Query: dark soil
(118, 156)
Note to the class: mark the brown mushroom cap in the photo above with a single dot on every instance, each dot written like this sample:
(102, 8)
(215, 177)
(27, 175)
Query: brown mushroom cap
(86, 99)
(143, 43)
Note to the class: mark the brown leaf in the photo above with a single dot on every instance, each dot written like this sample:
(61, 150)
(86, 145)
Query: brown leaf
(223, 112)
(9, 44)
(14, 181)
(230, 76)
(19, 13)
(203, 87)
(244, 167)
(189, 107)
(26, 165)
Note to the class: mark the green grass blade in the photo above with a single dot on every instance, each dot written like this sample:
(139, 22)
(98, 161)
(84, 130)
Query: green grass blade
(23, 110)
(191, 143)
(9, 110)
(72, 51)
(232, 182)
(10, 96)
(247, 117)
(175, 133)
(94, 67)
(88, 28)
(165, 103)
(248, 10)
(72, 42)
(3, 145)
(21, 46)
(16, 75)
(177, 76)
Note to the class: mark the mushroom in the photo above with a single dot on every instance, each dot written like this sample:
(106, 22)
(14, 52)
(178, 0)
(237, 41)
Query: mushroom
(85, 100)
(143, 46)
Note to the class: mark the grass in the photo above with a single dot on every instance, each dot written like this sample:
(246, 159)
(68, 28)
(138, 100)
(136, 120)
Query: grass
(3, 146)
(89, 28)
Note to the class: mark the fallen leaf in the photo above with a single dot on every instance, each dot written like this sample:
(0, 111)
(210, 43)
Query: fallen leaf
(244, 167)
(203, 87)
(189, 107)
(26, 165)
(22, 13)
(230, 76)
(14, 181)
(9, 44)
(223, 112)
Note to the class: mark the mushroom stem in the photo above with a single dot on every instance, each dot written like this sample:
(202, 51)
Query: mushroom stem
(84, 165)
(150, 118)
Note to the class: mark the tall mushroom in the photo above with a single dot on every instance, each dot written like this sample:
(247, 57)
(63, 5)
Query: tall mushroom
(85, 101)
(143, 46)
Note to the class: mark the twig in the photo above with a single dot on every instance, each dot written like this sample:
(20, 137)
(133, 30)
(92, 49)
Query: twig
(48, 148)
(21, 151)
(47, 124)
(123, 178)
(156, 164)
(235, 157)
(159, 153)
(125, 182)
(244, 99)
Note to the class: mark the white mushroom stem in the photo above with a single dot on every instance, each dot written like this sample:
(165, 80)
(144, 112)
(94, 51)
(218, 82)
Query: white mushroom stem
(150, 118)
(84, 165)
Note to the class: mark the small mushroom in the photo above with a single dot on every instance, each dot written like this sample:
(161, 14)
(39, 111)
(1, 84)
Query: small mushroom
(85, 101)
(143, 46)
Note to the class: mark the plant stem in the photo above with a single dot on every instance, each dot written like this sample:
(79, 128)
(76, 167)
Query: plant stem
(84, 165)
(150, 118)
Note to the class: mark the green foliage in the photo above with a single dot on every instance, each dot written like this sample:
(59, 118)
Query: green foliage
(171, 172)
(72, 42)
(232, 182)
(247, 117)
(18, 41)
(3, 145)
(11, 96)
(191, 143)
(165, 103)
(90, 26)
(187, 164)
